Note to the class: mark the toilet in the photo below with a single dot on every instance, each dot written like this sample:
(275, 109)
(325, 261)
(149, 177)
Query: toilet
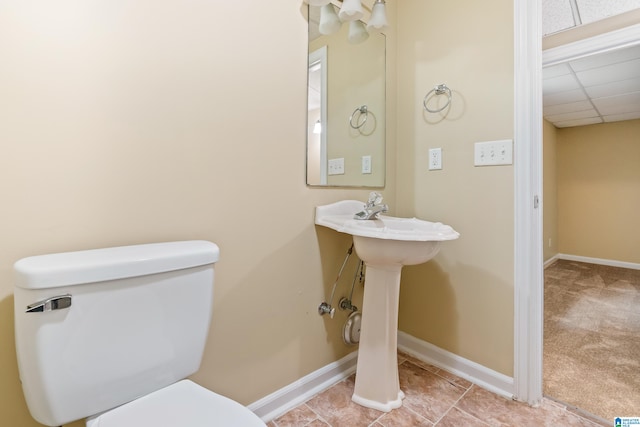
(111, 335)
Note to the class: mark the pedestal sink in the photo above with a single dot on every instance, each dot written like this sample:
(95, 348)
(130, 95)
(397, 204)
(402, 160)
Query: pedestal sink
(385, 245)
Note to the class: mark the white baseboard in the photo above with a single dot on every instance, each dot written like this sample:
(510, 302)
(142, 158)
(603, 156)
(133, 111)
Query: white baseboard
(551, 260)
(482, 376)
(298, 392)
(601, 261)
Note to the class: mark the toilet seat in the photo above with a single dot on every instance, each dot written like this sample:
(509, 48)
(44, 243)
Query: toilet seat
(184, 403)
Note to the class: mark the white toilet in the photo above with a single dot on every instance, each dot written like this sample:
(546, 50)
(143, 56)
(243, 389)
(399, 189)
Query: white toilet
(111, 334)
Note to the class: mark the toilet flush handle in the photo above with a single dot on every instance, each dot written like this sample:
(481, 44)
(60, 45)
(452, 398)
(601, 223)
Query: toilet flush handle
(54, 303)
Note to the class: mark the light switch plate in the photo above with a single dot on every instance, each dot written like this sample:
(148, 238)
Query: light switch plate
(366, 164)
(492, 153)
(336, 166)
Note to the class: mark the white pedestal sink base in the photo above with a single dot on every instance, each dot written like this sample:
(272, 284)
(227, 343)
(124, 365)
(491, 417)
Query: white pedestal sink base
(385, 244)
(377, 384)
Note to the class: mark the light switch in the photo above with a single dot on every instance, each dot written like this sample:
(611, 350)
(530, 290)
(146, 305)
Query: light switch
(491, 153)
(366, 164)
(336, 166)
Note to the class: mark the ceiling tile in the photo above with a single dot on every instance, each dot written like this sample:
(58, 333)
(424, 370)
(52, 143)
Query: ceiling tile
(608, 58)
(594, 10)
(614, 88)
(560, 84)
(556, 16)
(618, 100)
(580, 122)
(565, 97)
(621, 71)
(597, 88)
(620, 117)
(573, 115)
(555, 71)
(566, 108)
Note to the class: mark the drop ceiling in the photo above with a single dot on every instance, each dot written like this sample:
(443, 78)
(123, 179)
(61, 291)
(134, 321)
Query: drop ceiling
(604, 87)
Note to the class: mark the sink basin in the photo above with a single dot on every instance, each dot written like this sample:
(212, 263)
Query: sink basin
(386, 240)
(385, 245)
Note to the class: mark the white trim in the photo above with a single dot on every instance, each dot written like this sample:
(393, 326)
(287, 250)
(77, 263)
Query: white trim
(299, 391)
(551, 260)
(625, 37)
(484, 377)
(320, 56)
(528, 273)
(600, 261)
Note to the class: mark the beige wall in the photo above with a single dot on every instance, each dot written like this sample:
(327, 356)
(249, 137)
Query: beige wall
(462, 300)
(549, 191)
(126, 122)
(599, 190)
(122, 124)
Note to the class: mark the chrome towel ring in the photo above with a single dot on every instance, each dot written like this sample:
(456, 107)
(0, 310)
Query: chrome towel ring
(441, 89)
(358, 114)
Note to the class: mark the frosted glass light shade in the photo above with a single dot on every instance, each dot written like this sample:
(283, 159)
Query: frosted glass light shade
(351, 10)
(317, 2)
(357, 32)
(378, 21)
(317, 128)
(329, 21)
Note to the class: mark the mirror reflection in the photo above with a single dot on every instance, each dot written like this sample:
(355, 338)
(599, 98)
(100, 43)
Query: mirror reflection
(346, 103)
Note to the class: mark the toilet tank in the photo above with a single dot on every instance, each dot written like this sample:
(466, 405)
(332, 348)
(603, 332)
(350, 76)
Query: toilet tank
(99, 328)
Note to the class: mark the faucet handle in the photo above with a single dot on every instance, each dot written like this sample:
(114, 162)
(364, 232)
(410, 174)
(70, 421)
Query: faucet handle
(375, 198)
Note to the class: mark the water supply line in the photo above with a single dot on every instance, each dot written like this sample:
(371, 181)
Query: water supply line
(345, 303)
(325, 307)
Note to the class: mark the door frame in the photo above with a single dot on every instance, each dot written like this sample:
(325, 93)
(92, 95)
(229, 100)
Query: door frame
(528, 197)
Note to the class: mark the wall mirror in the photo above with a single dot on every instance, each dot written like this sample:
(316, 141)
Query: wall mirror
(346, 105)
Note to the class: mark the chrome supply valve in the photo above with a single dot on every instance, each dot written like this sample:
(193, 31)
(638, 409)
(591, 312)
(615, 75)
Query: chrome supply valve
(325, 308)
(345, 304)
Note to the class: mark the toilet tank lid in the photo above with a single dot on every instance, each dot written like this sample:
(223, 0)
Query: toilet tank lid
(97, 265)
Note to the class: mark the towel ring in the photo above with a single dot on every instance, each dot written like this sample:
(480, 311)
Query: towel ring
(441, 89)
(358, 113)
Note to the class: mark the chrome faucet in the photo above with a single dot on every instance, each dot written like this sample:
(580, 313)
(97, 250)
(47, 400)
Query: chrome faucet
(373, 207)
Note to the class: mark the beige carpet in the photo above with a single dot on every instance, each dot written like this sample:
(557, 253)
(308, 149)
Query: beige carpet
(592, 338)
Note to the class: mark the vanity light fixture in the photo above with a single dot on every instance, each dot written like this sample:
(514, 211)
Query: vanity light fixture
(317, 128)
(351, 11)
(378, 21)
(357, 32)
(329, 20)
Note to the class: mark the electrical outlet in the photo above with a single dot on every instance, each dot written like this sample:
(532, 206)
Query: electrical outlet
(366, 164)
(435, 159)
(336, 166)
(493, 153)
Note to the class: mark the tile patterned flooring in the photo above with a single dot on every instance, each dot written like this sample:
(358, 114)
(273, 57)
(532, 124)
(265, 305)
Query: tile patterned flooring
(433, 397)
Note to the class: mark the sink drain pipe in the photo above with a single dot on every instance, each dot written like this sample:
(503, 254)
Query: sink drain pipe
(325, 307)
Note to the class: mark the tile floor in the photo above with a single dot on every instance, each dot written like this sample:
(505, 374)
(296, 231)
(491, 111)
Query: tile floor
(434, 397)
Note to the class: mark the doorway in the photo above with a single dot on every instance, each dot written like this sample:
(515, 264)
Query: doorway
(578, 350)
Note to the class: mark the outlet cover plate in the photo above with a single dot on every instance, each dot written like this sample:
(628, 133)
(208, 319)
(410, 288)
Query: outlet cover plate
(435, 159)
